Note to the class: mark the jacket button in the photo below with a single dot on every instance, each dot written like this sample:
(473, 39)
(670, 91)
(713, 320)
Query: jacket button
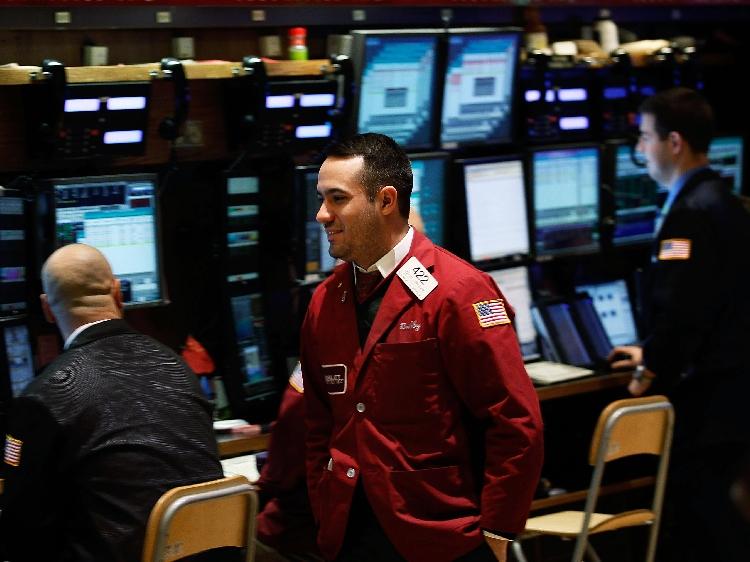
(360, 407)
(351, 472)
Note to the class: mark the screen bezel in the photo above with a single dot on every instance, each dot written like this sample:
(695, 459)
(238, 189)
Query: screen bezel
(53, 183)
(530, 179)
(514, 102)
(359, 38)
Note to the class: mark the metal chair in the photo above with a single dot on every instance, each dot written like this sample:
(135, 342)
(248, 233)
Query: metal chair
(200, 517)
(626, 427)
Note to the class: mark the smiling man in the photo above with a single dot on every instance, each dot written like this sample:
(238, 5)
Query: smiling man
(424, 433)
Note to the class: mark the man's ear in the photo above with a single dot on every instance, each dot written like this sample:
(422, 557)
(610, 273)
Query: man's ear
(47, 309)
(676, 142)
(388, 199)
(117, 293)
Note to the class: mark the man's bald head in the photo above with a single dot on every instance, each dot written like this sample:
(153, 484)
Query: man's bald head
(79, 286)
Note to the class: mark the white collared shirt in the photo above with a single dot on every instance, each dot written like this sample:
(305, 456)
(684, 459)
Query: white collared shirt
(79, 329)
(388, 262)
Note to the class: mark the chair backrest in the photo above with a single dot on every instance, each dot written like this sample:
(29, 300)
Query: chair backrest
(199, 517)
(632, 426)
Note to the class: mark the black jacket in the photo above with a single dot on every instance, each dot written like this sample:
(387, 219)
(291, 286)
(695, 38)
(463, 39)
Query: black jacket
(112, 424)
(698, 309)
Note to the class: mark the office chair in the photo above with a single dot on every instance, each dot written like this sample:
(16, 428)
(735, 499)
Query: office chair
(199, 517)
(626, 427)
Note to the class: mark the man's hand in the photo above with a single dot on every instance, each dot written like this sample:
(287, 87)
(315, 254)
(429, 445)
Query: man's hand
(250, 430)
(625, 357)
(499, 547)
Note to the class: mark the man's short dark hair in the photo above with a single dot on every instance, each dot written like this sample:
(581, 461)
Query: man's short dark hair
(684, 111)
(385, 163)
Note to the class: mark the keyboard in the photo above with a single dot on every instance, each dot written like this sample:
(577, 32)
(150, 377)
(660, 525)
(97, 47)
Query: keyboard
(548, 372)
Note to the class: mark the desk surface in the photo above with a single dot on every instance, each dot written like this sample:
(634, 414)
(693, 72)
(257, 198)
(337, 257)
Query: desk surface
(585, 384)
(233, 445)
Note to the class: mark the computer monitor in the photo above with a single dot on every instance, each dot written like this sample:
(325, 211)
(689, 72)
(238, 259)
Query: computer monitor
(565, 335)
(479, 87)
(514, 284)
(313, 257)
(396, 78)
(726, 157)
(612, 303)
(13, 256)
(635, 195)
(119, 216)
(428, 193)
(591, 328)
(248, 350)
(496, 209)
(16, 358)
(565, 187)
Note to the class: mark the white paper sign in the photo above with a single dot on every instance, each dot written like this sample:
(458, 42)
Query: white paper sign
(417, 278)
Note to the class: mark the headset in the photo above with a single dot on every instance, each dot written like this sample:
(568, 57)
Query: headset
(172, 69)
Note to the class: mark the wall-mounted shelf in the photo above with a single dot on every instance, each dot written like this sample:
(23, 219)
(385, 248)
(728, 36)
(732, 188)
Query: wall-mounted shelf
(19, 75)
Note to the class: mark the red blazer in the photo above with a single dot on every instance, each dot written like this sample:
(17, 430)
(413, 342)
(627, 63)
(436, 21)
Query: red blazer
(394, 413)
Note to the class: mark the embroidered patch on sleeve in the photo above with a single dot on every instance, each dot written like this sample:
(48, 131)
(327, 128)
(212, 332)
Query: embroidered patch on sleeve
(12, 450)
(675, 249)
(491, 313)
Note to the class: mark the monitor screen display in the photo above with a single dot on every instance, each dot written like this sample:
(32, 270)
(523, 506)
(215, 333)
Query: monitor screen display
(427, 196)
(316, 257)
(19, 362)
(612, 303)
(496, 209)
(250, 337)
(566, 200)
(514, 284)
(635, 195)
(591, 328)
(478, 88)
(726, 157)
(12, 256)
(119, 216)
(243, 234)
(397, 85)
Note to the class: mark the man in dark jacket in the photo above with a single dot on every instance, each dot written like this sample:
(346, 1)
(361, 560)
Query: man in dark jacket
(698, 327)
(112, 424)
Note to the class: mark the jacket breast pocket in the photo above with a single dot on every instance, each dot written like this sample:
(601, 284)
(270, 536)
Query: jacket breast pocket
(407, 381)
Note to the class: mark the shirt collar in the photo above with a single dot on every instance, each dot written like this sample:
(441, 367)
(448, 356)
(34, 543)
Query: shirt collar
(78, 330)
(677, 186)
(388, 262)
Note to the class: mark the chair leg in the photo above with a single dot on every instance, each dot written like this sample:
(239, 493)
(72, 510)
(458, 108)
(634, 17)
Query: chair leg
(592, 553)
(515, 546)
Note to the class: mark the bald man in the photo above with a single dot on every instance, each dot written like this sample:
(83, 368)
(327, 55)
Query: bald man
(108, 427)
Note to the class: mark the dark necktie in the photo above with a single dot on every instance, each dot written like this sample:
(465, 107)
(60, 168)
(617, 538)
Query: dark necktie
(366, 284)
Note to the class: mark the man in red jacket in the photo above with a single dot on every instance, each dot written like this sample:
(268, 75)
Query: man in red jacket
(424, 433)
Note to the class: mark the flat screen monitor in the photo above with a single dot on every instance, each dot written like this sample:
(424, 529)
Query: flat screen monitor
(591, 328)
(16, 358)
(726, 157)
(13, 257)
(612, 303)
(428, 193)
(314, 243)
(119, 216)
(565, 186)
(635, 194)
(514, 284)
(496, 209)
(479, 87)
(396, 79)
(567, 338)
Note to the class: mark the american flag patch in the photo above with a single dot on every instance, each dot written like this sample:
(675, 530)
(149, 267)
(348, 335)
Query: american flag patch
(12, 450)
(491, 313)
(296, 379)
(675, 249)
